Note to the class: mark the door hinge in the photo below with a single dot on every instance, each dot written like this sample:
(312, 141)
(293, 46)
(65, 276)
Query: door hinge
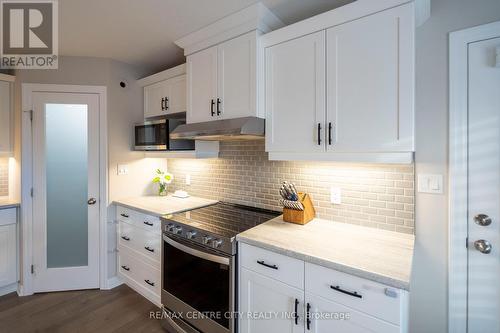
(31, 192)
(31, 115)
(32, 269)
(466, 242)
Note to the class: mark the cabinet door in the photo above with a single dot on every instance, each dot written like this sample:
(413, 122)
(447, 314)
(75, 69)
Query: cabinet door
(295, 95)
(154, 99)
(370, 83)
(201, 86)
(262, 296)
(176, 94)
(327, 316)
(8, 254)
(5, 118)
(236, 76)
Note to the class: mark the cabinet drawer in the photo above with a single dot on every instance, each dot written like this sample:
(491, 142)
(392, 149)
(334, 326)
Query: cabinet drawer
(143, 274)
(370, 297)
(274, 265)
(144, 242)
(140, 220)
(8, 216)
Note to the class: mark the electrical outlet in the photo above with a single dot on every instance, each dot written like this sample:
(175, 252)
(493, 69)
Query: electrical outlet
(335, 195)
(122, 170)
(188, 179)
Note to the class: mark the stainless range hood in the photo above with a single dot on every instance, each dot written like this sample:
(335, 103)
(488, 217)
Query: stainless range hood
(248, 128)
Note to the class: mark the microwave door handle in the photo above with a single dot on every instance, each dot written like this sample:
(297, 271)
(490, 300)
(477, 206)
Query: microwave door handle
(196, 253)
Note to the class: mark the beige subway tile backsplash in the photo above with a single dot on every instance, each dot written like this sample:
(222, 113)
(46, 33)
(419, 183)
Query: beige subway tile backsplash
(4, 177)
(373, 195)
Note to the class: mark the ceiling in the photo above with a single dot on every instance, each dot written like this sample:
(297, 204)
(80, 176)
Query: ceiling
(142, 32)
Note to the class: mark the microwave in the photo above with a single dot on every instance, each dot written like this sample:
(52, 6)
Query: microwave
(154, 135)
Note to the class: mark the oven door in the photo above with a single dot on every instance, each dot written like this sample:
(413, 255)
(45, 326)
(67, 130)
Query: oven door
(151, 135)
(198, 285)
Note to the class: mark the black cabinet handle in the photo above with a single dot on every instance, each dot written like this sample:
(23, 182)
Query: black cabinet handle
(350, 293)
(124, 215)
(212, 104)
(218, 106)
(152, 284)
(126, 268)
(308, 316)
(162, 104)
(166, 103)
(330, 133)
(149, 249)
(148, 223)
(125, 238)
(296, 313)
(261, 262)
(319, 134)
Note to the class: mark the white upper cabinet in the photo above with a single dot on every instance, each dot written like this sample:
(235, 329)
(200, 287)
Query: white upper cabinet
(202, 86)
(295, 95)
(363, 110)
(165, 97)
(370, 83)
(222, 81)
(6, 115)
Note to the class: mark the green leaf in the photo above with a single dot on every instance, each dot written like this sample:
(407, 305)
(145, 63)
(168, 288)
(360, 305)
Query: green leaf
(156, 180)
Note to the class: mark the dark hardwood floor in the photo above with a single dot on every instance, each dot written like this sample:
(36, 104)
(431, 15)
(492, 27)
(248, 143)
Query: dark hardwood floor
(118, 310)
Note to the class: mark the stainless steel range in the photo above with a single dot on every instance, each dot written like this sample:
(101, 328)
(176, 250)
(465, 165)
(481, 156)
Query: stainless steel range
(199, 266)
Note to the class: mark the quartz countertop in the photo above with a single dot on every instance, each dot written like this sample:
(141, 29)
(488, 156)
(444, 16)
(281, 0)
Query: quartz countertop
(8, 203)
(378, 255)
(160, 206)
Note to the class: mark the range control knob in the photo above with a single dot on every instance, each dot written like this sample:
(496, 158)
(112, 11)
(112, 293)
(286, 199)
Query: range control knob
(191, 234)
(217, 243)
(178, 230)
(206, 239)
(170, 227)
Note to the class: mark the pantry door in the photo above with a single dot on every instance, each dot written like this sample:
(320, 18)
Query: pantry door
(65, 130)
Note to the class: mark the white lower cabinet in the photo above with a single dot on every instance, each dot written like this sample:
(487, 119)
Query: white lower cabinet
(327, 300)
(8, 249)
(139, 252)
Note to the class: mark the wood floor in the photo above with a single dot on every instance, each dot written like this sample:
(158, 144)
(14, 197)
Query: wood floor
(117, 310)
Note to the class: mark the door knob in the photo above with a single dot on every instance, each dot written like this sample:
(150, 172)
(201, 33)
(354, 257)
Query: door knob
(483, 246)
(482, 220)
(92, 201)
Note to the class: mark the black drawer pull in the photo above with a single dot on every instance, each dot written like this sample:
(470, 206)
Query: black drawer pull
(261, 262)
(148, 223)
(152, 284)
(149, 249)
(296, 313)
(319, 134)
(218, 106)
(126, 268)
(350, 293)
(330, 133)
(308, 316)
(124, 215)
(212, 104)
(166, 103)
(125, 238)
(162, 105)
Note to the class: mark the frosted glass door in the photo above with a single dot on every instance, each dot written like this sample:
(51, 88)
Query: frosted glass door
(66, 189)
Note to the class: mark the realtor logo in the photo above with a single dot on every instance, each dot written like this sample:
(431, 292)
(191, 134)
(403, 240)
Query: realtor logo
(29, 34)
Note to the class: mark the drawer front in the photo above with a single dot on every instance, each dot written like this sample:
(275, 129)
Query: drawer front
(274, 265)
(367, 296)
(144, 242)
(140, 220)
(143, 274)
(8, 216)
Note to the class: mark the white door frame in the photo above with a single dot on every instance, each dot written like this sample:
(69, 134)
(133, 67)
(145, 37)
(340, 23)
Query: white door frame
(458, 169)
(28, 89)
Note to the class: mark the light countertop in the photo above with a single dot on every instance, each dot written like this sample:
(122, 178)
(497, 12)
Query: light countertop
(8, 203)
(378, 255)
(160, 206)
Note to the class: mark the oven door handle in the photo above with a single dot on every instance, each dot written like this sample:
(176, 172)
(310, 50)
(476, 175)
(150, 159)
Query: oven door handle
(196, 253)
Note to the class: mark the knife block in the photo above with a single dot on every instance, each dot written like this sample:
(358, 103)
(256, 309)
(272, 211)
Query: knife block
(300, 216)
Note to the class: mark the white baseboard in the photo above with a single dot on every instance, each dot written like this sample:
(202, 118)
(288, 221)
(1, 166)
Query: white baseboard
(8, 289)
(113, 282)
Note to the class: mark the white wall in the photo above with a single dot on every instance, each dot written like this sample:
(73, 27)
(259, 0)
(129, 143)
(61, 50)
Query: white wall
(428, 306)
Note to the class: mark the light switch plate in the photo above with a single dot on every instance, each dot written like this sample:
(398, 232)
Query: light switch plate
(430, 183)
(335, 195)
(122, 169)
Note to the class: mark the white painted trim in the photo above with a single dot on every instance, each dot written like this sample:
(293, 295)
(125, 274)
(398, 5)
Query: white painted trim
(458, 157)
(27, 177)
(162, 76)
(337, 16)
(390, 158)
(113, 282)
(8, 289)
(255, 17)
